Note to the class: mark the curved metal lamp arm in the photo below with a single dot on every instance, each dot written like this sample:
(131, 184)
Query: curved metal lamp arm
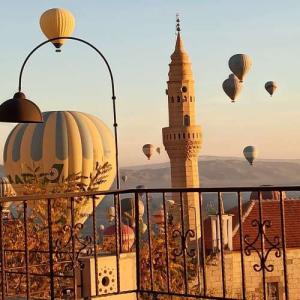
(111, 79)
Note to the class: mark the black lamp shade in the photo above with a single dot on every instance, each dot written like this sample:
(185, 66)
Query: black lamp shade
(20, 110)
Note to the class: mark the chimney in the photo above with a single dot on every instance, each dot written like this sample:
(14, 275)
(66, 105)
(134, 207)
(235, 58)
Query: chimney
(216, 232)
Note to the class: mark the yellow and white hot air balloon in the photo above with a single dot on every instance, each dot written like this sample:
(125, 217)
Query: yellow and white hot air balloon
(67, 143)
(57, 22)
(240, 65)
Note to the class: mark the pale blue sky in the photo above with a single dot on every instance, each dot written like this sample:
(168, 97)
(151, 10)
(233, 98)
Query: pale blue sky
(138, 38)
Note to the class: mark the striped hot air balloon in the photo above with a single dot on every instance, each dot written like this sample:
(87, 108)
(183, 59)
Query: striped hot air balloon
(67, 143)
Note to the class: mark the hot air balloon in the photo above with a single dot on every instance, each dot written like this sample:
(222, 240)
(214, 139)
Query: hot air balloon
(67, 143)
(124, 178)
(148, 150)
(127, 238)
(250, 154)
(240, 65)
(271, 86)
(140, 186)
(111, 213)
(170, 202)
(232, 87)
(57, 22)
(6, 190)
(158, 216)
(128, 210)
(158, 150)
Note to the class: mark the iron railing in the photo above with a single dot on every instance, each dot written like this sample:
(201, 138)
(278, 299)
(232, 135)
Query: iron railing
(180, 244)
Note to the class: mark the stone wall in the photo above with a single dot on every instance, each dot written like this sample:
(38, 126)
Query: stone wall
(253, 279)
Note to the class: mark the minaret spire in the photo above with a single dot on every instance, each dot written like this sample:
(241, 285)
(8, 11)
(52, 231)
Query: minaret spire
(178, 29)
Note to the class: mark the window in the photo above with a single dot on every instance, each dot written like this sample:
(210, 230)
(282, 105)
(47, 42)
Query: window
(191, 99)
(184, 98)
(178, 98)
(186, 120)
(184, 89)
(272, 291)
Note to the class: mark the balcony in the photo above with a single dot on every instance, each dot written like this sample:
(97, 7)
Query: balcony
(146, 248)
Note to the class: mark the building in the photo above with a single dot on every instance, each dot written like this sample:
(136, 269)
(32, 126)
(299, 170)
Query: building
(182, 138)
(258, 222)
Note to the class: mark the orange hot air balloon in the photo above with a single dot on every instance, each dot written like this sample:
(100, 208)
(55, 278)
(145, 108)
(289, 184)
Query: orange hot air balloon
(148, 150)
(57, 22)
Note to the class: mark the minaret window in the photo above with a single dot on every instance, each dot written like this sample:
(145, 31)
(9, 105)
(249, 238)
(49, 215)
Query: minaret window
(178, 98)
(191, 99)
(184, 89)
(186, 120)
(184, 98)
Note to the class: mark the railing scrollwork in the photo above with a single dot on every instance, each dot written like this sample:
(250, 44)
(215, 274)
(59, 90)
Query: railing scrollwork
(263, 254)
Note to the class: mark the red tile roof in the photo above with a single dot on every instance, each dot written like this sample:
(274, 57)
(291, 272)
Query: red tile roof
(270, 211)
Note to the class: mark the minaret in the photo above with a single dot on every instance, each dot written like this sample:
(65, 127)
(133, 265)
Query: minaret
(182, 139)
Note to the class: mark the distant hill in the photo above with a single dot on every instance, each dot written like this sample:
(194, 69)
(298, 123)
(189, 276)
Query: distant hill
(220, 171)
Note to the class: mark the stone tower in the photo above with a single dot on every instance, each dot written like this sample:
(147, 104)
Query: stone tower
(182, 139)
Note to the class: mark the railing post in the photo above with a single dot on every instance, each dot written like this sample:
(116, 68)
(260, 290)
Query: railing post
(166, 240)
(149, 240)
(73, 247)
(50, 241)
(203, 256)
(2, 254)
(118, 237)
(26, 250)
(285, 272)
(222, 244)
(137, 241)
(240, 214)
(262, 243)
(95, 246)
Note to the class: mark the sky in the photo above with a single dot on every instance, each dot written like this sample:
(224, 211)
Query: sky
(138, 37)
